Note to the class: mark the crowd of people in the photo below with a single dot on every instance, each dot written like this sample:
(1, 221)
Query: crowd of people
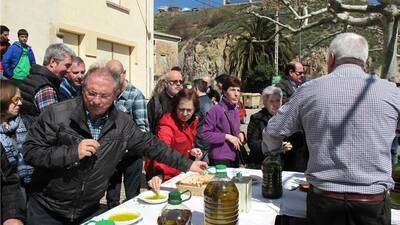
(69, 136)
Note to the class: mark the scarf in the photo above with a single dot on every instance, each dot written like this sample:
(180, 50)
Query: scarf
(12, 138)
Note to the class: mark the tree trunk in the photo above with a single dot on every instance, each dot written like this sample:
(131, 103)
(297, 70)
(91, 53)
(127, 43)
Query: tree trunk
(389, 67)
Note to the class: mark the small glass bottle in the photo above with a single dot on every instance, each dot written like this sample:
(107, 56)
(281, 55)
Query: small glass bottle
(272, 176)
(176, 213)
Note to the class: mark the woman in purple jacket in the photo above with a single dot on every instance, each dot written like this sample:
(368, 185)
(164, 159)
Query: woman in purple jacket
(221, 127)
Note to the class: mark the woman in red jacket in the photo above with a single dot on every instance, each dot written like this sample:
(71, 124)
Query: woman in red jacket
(178, 130)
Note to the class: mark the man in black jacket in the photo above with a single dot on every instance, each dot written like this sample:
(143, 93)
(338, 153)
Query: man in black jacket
(75, 147)
(160, 104)
(13, 210)
(42, 87)
(295, 160)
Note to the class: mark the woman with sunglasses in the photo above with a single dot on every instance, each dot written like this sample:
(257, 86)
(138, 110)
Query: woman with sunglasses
(178, 130)
(13, 131)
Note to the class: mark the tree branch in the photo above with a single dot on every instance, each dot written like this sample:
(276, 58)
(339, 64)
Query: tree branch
(372, 19)
(292, 29)
(306, 16)
(337, 6)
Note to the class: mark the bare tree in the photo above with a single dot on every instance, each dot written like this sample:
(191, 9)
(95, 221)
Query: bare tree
(384, 15)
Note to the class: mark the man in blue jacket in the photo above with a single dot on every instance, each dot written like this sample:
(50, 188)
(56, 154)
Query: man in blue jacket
(19, 58)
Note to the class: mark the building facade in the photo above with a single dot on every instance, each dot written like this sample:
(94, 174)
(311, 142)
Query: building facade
(97, 30)
(165, 53)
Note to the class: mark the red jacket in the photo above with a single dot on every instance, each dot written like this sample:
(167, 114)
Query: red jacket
(177, 135)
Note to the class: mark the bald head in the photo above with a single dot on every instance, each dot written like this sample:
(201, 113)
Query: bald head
(117, 68)
(295, 72)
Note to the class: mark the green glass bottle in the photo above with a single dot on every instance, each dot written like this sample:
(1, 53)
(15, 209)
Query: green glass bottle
(272, 176)
(221, 200)
(176, 213)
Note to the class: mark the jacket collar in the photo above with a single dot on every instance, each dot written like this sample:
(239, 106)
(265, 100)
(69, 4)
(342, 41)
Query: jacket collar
(42, 70)
(79, 117)
(226, 104)
(263, 114)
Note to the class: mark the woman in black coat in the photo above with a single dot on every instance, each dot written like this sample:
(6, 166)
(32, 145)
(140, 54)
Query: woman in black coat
(272, 101)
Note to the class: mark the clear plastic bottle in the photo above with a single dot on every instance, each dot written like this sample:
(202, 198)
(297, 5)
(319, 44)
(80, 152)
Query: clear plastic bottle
(272, 176)
(221, 200)
(176, 213)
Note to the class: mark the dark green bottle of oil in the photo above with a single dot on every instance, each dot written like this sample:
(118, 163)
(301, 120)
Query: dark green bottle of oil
(272, 176)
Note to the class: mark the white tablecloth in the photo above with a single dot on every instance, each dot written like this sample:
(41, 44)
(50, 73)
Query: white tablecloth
(263, 211)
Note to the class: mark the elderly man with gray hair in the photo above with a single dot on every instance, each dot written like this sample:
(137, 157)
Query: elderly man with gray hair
(41, 87)
(349, 118)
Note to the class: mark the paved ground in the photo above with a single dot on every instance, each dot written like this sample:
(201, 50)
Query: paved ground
(243, 127)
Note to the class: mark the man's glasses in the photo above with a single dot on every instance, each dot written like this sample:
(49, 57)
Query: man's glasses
(92, 94)
(175, 82)
(78, 72)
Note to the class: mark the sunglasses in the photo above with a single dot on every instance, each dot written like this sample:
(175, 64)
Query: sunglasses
(175, 82)
(77, 72)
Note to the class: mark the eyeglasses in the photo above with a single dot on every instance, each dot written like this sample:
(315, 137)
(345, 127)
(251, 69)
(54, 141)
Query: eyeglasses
(188, 111)
(77, 72)
(16, 99)
(299, 72)
(175, 82)
(93, 94)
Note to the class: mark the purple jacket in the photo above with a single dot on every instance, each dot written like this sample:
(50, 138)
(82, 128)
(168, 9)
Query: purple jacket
(215, 127)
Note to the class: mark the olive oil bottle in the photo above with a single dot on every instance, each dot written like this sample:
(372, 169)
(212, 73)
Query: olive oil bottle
(272, 176)
(221, 200)
(175, 213)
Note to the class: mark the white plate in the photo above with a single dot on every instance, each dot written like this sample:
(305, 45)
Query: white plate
(127, 222)
(145, 195)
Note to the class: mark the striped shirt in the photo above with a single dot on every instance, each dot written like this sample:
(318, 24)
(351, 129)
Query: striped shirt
(132, 101)
(349, 119)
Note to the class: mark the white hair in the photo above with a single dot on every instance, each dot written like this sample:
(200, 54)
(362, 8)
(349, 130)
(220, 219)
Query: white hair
(349, 45)
(271, 90)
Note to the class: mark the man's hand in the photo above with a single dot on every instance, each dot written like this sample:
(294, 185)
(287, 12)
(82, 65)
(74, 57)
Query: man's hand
(234, 140)
(198, 166)
(13, 222)
(155, 183)
(87, 147)
(196, 152)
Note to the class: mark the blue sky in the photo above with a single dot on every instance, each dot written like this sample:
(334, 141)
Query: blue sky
(196, 3)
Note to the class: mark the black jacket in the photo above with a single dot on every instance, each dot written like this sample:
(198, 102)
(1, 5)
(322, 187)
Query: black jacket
(258, 122)
(156, 108)
(38, 78)
(70, 187)
(12, 200)
(287, 89)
